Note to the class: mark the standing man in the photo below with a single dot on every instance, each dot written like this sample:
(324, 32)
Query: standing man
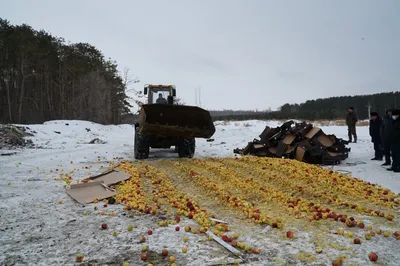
(385, 133)
(395, 142)
(351, 120)
(375, 125)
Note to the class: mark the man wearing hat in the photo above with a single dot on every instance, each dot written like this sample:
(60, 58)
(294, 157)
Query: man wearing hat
(386, 128)
(395, 141)
(375, 125)
(351, 120)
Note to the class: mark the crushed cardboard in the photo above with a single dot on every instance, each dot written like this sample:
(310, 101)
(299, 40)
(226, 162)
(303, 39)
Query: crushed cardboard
(111, 177)
(300, 141)
(97, 187)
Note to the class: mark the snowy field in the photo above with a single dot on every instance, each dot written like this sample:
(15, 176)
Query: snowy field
(36, 230)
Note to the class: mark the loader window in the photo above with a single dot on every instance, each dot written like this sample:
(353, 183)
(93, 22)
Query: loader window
(159, 96)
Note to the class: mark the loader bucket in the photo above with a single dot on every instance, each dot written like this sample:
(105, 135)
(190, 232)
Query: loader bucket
(175, 121)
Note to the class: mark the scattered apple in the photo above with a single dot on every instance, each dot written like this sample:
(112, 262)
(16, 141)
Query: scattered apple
(337, 262)
(186, 239)
(164, 252)
(125, 263)
(144, 256)
(386, 234)
(184, 249)
(177, 228)
(104, 226)
(289, 234)
(256, 251)
(172, 259)
(318, 250)
(115, 233)
(130, 227)
(150, 232)
(187, 228)
(145, 248)
(372, 256)
(357, 241)
(368, 236)
(142, 239)
(234, 243)
(79, 257)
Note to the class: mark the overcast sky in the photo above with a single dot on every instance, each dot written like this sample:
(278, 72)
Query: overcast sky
(243, 54)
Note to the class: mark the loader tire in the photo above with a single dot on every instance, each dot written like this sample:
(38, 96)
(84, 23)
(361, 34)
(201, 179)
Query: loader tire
(186, 148)
(141, 146)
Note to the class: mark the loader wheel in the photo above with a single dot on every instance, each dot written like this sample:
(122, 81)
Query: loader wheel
(141, 147)
(186, 148)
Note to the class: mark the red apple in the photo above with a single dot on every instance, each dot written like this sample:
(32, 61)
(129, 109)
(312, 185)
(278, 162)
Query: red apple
(289, 234)
(372, 256)
(164, 252)
(104, 226)
(177, 228)
(150, 232)
(144, 256)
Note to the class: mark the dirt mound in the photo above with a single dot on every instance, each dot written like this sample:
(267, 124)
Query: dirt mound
(12, 137)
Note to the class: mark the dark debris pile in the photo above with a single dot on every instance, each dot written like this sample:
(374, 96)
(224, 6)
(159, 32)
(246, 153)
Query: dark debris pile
(12, 137)
(300, 141)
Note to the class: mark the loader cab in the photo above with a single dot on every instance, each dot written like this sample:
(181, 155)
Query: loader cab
(157, 94)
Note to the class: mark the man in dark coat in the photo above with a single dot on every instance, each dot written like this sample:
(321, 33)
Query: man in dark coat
(385, 134)
(395, 141)
(351, 120)
(375, 125)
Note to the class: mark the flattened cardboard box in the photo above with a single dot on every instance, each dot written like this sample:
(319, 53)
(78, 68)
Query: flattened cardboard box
(87, 192)
(98, 188)
(111, 177)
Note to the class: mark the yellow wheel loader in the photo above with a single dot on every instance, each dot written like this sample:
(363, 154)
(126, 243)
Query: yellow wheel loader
(163, 123)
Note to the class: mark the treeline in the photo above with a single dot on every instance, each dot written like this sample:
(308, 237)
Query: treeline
(236, 112)
(42, 78)
(325, 109)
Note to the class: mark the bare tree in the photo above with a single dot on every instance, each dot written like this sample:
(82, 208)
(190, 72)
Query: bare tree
(138, 96)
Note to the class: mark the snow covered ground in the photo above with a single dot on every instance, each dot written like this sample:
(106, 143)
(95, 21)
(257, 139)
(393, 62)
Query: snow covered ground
(36, 230)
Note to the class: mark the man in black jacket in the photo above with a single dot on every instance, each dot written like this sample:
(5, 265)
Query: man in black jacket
(395, 141)
(351, 120)
(385, 134)
(375, 125)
